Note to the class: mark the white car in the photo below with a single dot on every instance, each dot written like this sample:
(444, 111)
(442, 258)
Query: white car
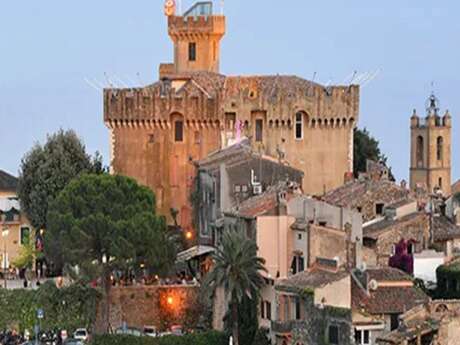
(150, 331)
(81, 334)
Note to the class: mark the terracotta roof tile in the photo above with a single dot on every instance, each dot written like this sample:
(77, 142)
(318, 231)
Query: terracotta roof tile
(443, 229)
(313, 278)
(8, 182)
(375, 229)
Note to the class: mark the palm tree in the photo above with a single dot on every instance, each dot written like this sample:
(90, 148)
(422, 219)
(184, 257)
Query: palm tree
(238, 270)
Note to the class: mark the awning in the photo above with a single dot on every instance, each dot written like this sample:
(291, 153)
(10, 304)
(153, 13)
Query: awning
(193, 252)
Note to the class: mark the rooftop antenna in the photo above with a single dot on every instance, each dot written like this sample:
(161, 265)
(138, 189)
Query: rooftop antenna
(94, 86)
(108, 79)
(120, 81)
(139, 78)
(370, 78)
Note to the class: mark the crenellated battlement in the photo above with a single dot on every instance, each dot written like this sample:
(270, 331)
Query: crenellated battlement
(178, 25)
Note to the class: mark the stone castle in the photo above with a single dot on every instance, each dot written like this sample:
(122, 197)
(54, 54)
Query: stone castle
(159, 131)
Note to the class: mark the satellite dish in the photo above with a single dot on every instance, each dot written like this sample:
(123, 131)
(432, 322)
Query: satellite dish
(373, 285)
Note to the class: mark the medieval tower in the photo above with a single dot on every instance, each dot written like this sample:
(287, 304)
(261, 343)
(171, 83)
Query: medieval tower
(431, 149)
(157, 131)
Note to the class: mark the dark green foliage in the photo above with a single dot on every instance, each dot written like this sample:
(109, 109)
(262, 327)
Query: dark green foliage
(248, 322)
(262, 337)
(46, 170)
(99, 216)
(448, 278)
(67, 308)
(208, 338)
(365, 147)
(103, 223)
(237, 269)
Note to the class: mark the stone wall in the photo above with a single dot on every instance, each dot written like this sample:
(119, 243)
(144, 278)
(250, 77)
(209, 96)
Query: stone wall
(417, 229)
(159, 306)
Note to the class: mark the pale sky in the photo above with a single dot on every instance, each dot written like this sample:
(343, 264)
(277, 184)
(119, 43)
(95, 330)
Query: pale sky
(49, 47)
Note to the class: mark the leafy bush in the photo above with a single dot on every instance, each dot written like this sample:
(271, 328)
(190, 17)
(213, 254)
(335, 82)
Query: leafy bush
(208, 338)
(67, 308)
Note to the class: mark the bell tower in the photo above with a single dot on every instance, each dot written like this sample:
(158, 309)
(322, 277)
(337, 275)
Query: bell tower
(431, 149)
(196, 35)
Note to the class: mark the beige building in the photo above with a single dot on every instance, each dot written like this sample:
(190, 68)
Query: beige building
(430, 165)
(15, 228)
(158, 131)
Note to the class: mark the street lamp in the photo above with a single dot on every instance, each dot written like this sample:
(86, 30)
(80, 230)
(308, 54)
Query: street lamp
(5, 233)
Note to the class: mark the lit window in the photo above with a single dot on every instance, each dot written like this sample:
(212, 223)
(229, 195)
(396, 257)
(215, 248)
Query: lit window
(299, 126)
(192, 51)
(259, 130)
(178, 131)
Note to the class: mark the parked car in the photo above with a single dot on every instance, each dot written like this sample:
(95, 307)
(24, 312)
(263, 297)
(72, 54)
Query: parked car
(177, 330)
(129, 331)
(73, 341)
(81, 334)
(150, 331)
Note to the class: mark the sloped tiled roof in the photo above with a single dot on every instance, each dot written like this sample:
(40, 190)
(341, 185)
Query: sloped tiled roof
(313, 278)
(375, 229)
(387, 299)
(456, 187)
(352, 192)
(8, 182)
(443, 229)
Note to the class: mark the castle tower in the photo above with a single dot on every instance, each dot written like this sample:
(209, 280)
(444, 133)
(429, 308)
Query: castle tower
(431, 149)
(196, 36)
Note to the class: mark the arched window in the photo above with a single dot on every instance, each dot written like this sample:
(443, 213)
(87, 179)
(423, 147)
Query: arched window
(420, 149)
(299, 126)
(439, 148)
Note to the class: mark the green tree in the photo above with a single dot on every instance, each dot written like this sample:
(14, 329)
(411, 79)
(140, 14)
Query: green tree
(366, 147)
(46, 170)
(101, 223)
(237, 269)
(28, 253)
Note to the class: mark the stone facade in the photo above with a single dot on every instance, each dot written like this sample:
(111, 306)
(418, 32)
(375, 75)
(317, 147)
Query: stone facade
(158, 306)
(313, 307)
(157, 131)
(430, 165)
(382, 237)
(436, 323)
(369, 196)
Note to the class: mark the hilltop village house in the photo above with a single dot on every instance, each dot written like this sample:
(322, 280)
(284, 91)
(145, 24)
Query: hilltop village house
(157, 131)
(15, 228)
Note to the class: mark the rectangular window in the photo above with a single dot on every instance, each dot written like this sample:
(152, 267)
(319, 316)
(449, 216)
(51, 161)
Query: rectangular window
(297, 309)
(440, 182)
(178, 131)
(394, 321)
(25, 235)
(262, 310)
(333, 335)
(259, 130)
(379, 209)
(362, 337)
(192, 51)
(301, 264)
(268, 310)
(298, 126)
